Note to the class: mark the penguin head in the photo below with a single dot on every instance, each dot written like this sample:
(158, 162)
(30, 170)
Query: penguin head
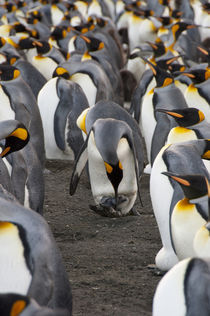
(21, 4)
(11, 59)
(61, 72)
(158, 47)
(58, 33)
(162, 77)
(185, 117)
(93, 44)
(16, 139)
(43, 47)
(12, 304)
(8, 72)
(18, 27)
(26, 42)
(179, 27)
(35, 15)
(10, 7)
(193, 186)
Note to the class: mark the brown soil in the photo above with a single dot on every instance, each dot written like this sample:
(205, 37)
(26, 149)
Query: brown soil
(106, 258)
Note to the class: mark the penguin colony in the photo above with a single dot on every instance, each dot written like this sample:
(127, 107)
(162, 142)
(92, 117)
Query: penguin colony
(84, 81)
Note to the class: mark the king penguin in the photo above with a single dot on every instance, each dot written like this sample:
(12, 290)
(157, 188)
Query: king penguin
(173, 157)
(60, 102)
(188, 215)
(24, 168)
(18, 102)
(31, 263)
(112, 111)
(112, 164)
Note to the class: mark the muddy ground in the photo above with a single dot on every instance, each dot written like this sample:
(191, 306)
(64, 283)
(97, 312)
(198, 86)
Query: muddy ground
(106, 258)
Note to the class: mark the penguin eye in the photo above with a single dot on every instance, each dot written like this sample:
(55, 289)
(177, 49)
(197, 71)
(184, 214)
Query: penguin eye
(17, 308)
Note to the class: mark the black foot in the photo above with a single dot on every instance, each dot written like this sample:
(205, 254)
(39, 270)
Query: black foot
(155, 270)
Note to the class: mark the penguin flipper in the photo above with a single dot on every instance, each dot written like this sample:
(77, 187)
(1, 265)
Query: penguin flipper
(160, 135)
(62, 111)
(131, 144)
(79, 166)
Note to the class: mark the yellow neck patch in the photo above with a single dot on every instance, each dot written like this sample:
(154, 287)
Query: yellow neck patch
(167, 82)
(86, 56)
(60, 71)
(181, 130)
(81, 120)
(206, 155)
(5, 225)
(17, 307)
(191, 88)
(16, 73)
(184, 205)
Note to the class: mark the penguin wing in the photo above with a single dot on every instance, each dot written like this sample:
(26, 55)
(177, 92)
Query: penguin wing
(62, 111)
(18, 176)
(163, 126)
(130, 140)
(79, 166)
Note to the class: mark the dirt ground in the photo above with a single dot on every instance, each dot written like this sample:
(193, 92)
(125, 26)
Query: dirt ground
(106, 258)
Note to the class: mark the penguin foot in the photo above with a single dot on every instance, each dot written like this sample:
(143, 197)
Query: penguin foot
(155, 270)
(105, 211)
(133, 212)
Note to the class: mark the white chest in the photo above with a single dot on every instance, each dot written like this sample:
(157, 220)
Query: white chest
(6, 111)
(45, 65)
(87, 85)
(185, 222)
(48, 101)
(14, 273)
(169, 297)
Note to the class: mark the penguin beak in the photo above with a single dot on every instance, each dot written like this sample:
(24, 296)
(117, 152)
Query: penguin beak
(174, 114)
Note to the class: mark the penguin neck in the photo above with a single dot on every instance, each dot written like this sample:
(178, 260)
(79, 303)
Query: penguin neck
(180, 134)
(184, 206)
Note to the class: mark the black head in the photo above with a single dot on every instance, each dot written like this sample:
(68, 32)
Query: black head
(193, 186)
(185, 117)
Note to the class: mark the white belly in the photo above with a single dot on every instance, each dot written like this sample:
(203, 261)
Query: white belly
(185, 223)
(87, 86)
(56, 15)
(6, 112)
(47, 102)
(14, 274)
(169, 298)
(45, 65)
(161, 193)
(147, 121)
